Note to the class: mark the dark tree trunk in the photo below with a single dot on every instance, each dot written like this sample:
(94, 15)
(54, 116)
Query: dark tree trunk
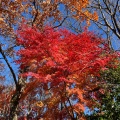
(15, 99)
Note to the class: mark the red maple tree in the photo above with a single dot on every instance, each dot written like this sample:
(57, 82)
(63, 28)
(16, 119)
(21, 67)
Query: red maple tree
(65, 66)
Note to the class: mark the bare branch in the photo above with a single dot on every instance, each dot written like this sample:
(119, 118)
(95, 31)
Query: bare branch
(9, 66)
(61, 22)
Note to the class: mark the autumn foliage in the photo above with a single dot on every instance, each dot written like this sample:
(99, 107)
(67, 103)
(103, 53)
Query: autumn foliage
(64, 66)
(51, 73)
(41, 11)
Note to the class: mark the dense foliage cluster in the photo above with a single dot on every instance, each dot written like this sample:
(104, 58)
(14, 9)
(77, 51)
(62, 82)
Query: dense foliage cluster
(66, 65)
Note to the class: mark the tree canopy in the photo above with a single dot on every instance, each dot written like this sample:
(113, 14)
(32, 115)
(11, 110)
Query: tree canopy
(52, 66)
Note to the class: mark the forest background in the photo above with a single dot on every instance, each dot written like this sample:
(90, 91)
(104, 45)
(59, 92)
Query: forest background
(74, 70)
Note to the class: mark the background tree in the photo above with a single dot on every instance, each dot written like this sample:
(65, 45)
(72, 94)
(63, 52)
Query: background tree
(109, 21)
(109, 107)
(109, 12)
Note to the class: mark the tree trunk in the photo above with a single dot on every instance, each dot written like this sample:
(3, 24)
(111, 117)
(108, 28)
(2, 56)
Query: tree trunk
(15, 99)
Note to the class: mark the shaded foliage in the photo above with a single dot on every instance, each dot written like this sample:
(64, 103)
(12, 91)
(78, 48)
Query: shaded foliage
(109, 107)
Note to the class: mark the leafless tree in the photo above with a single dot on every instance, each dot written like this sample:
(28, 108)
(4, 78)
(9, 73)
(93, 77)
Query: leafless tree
(109, 18)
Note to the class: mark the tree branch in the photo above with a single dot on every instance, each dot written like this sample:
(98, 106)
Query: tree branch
(60, 23)
(9, 66)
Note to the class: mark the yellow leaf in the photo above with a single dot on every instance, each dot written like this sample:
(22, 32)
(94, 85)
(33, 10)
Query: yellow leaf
(40, 104)
(95, 16)
(1, 19)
